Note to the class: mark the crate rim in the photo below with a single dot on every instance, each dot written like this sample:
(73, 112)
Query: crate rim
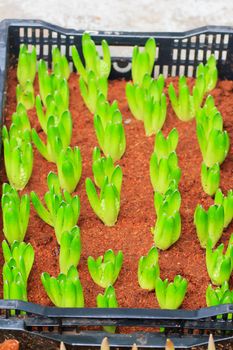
(216, 29)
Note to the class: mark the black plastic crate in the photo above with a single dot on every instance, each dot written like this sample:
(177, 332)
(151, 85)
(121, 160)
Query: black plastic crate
(40, 327)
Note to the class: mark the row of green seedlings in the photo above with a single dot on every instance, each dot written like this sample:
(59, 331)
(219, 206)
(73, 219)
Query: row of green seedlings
(145, 95)
(214, 144)
(147, 102)
(62, 210)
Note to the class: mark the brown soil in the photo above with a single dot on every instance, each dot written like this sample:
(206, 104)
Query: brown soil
(131, 234)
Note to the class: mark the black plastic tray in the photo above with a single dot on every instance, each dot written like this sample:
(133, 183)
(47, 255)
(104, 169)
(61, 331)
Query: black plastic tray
(43, 327)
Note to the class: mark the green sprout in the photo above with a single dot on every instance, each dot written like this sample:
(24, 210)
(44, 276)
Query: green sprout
(15, 213)
(185, 105)
(210, 178)
(214, 149)
(20, 255)
(139, 97)
(51, 83)
(60, 64)
(164, 171)
(62, 210)
(70, 249)
(155, 115)
(18, 156)
(210, 73)
(57, 105)
(218, 296)
(111, 138)
(65, 290)
(58, 137)
(169, 202)
(143, 62)
(171, 295)
(209, 224)
(105, 269)
(105, 110)
(14, 285)
(25, 95)
(91, 90)
(104, 167)
(164, 146)
(20, 118)
(107, 300)
(227, 203)
(26, 69)
(148, 269)
(209, 118)
(219, 266)
(167, 230)
(69, 168)
(107, 205)
(154, 87)
(100, 67)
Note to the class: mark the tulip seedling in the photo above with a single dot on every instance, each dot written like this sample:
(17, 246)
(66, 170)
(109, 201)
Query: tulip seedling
(60, 64)
(104, 167)
(164, 146)
(105, 110)
(227, 203)
(209, 224)
(26, 69)
(25, 95)
(20, 255)
(18, 156)
(105, 269)
(185, 105)
(100, 67)
(107, 205)
(14, 285)
(148, 104)
(143, 61)
(171, 295)
(69, 168)
(219, 266)
(65, 290)
(167, 230)
(210, 178)
(91, 90)
(20, 119)
(168, 203)
(49, 84)
(215, 148)
(163, 171)
(70, 249)
(148, 269)
(210, 73)
(218, 296)
(209, 118)
(107, 300)
(62, 210)
(111, 138)
(15, 213)
(58, 137)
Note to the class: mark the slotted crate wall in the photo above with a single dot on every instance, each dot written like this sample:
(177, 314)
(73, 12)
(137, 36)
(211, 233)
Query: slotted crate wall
(177, 53)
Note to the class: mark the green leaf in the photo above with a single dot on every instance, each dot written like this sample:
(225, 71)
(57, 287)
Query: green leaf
(105, 270)
(210, 178)
(16, 212)
(171, 295)
(70, 249)
(148, 270)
